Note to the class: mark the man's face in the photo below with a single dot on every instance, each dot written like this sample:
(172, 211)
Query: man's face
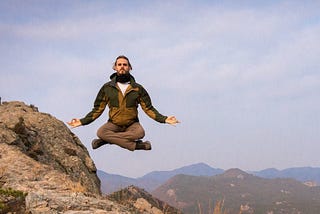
(122, 66)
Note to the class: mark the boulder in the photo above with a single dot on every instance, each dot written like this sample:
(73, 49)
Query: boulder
(45, 141)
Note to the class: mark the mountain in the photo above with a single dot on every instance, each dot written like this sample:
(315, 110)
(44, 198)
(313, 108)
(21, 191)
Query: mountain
(44, 168)
(199, 169)
(239, 192)
(154, 179)
(112, 183)
(303, 174)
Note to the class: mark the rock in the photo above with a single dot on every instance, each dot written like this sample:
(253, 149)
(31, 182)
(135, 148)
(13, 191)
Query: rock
(141, 200)
(48, 141)
(42, 158)
(44, 168)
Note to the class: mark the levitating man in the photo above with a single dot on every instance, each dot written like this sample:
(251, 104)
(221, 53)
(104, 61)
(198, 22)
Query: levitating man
(122, 95)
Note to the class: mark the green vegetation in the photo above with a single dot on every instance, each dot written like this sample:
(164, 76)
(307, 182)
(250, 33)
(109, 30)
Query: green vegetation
(11, 192)
(11, 200)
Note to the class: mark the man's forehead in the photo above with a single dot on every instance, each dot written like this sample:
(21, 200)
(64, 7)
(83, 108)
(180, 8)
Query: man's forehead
(122, 60)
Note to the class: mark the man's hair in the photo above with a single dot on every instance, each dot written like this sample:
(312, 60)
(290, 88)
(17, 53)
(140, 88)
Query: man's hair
(121, 57)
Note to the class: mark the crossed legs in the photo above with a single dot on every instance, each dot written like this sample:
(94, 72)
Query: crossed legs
(124, 137)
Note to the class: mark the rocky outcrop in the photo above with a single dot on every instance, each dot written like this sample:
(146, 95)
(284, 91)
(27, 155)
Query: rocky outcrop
(46, 140)
(44, 168)
(43, 159)
(142, 201)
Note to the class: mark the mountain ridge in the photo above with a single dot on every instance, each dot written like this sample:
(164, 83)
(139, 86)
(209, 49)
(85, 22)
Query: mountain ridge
(240, 192)
(302, 174)
(152, 180)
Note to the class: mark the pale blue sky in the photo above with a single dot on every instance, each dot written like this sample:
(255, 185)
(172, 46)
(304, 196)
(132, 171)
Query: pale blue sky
(242, 76)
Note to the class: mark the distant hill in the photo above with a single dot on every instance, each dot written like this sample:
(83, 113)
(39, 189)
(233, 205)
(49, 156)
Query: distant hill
(156, 178)
(239, 190)
(302, 174)
(111, 183)
(199, 169)
(150, 181)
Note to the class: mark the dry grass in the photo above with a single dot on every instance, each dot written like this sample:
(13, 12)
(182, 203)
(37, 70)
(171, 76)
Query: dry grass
(2, 175)
(217, 209)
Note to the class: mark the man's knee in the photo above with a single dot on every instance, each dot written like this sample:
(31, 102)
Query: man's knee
(139, 130)
(142, 133)
(102, 132)
(99, 133)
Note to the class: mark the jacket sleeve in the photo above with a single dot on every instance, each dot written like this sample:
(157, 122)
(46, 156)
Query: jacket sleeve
(146, 105)
(98, 108)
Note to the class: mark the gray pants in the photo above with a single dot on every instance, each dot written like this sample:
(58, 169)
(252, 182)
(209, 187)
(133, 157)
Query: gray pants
(124, 137)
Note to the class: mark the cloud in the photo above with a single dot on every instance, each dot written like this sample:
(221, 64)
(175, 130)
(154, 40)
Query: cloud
(223, 48)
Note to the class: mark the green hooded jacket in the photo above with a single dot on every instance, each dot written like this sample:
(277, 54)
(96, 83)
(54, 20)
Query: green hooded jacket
(123, 109)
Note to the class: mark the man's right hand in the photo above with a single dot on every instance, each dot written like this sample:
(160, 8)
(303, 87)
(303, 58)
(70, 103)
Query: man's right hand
(172, 120)
(74, 123)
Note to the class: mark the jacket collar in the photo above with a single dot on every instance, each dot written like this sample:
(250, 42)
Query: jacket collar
(114, 83)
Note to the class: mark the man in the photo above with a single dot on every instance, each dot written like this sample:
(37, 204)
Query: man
(122, 95)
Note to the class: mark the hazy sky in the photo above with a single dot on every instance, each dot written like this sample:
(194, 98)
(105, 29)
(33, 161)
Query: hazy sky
(242, 76)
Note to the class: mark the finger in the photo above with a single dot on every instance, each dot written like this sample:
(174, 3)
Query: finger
(177, 121)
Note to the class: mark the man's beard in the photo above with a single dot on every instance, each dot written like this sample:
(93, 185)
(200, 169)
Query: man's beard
(123, 78)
